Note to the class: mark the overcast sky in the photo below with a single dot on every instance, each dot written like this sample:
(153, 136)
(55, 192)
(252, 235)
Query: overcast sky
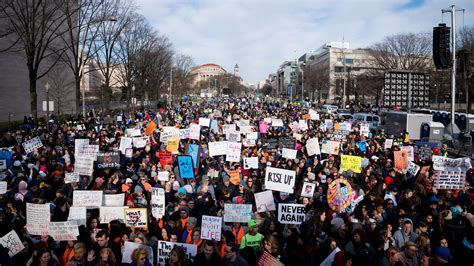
(259, 35)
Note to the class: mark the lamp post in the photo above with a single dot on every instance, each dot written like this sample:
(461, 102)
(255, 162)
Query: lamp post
(47, 106)
(133, 98)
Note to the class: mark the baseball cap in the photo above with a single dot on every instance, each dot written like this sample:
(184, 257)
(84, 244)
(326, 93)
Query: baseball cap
(252, 223)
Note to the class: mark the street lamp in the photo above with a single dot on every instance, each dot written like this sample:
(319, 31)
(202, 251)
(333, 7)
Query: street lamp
(47, 106)
(133, 98)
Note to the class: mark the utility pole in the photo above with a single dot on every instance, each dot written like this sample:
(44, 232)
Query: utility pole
(171, 82)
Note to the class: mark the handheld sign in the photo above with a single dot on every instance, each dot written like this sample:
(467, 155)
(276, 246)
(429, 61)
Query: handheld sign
(291, 213)
(280, 179)
(211, 228)
(185, 165)
(264, 201)
(239, 213)
(349, 162)
(136, 217)
(12, 242)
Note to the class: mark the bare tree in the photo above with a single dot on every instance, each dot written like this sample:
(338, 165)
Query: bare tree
(182, 77)
(36, 25)
(58, 81)
(316, 78)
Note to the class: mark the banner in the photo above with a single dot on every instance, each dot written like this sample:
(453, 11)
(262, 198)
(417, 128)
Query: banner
(449, 179)
(140, 142)
(211, 228)
(164, 251)
(312, 147)
(263, 127)
(114, 200)
(291, 213)
(330, 147)
(63, 231)
(38, 217)
(233, 151)
(125, 143)
(217, 148)
(78, 215)
(157, 203)
(410, 152)
(173, 145)
(308, 190)
(194, 132)
(401, 160)
(288, 153)
(238, 213)
(129, 247)
(353, 163)
(108, 160)
(264, 201)
(194, 151)
(108, 214)
(441, 163)
(150, 128)
(250, 163)
(339, 195)
(87, 198)
(185, 165)
(280, 179)
(136, 217)
(12, 242)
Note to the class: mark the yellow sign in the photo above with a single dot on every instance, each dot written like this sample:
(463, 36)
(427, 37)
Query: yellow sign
(353, 163)
(173, 145)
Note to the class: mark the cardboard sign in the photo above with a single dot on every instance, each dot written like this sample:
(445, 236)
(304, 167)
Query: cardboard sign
(308, 190)
(163, 176)
(12, 242)
(136, 217)
(211, 228)
(125, 143)
(288, 153)
(194, 132)
(150, 128)
(401, 160)
(3, 187)
(38, 217)
(164, 251)
(108, 214)
(217, 148)
(410, 152)
(32, 144)
(204, 122)
(129, 247)
(84, 166)
(277, 122)
(185, 165)
(114, 200)
(233, 151)
(291, 213)
(194, 150)
(87, 198)
(388, 144)
(264, 201)
(173, 145)
(330, 147)
(63, 231)
(108, 160)
(234, 177)
(238, 213)
(280, 179)
(78, 143)
(263, 127)
(441, 163)
(71, 177)
(449, 179)
(157, 203)
(250, 163)
(140, 142)
(353, 163)
(312, 147)
(88, 150)
(78, 215)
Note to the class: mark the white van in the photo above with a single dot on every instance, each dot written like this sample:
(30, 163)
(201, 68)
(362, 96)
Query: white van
(371, 119)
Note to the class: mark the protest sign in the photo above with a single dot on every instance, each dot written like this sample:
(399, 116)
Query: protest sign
(164, 251)
(136, 217)
(87, 198)
(211, 227)
(251, 136)
(268, 120)
(150, 128)
(449, 179)
(129, 247)
(270, 144)
(169, 132)
(140, 142)
(108, 160)
(353, 163)
(63, 231)
(339, 195)
(250, 163)
(217, 148)
(185, 165)
(287, 142)
(37, 218)
(3, 187)
(114, 200)
(226, 128)
(78, 215)
(84, 166)
(277, 122)
(248, 142)
(233, 151)
(129, 153)
(163, 176)
(214, 126)
(308, 190)
(88, 150)
(12, 243)
(157, 203)
(441, 163)
(297, 136)
(330, 147)
(233, 136)
(280, 179)
(313, 115)
(234, 176)
(401, 160)
(412, 169)
(410, 152)
(388, 144)
(165, 157)
(291, 213)
(194, 150)
(184, 133)
(263, 127)
(268, 259)
(288, 153)
(78, 143)
(32, 144)
(245, 129)
(302, 125)
(345, 126)
(312, 147)
(238, 213)
(364, 130)
(204, 122)
(133, 132)
(329, 124)
(424, 173)
(264, 201)
(125, 143)
(173, 145)
(71, 177)
(3, 165)
(108, 214)
(194, 131)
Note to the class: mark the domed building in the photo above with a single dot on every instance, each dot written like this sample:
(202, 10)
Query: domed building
(207, 71)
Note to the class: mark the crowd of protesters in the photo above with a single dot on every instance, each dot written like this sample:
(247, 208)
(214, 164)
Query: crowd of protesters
(400, 220)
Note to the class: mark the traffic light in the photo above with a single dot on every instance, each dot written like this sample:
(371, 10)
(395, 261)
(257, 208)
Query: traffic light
(441, 50)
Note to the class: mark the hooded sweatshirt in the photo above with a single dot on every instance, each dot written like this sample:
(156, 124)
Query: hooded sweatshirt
(401, 238)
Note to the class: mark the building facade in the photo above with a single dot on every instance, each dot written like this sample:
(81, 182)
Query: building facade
(206, 72)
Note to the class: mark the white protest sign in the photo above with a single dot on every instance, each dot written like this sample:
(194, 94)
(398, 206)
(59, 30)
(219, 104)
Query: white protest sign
(388, 144)
(449, 179)
(63, 231)
(114, 200)
(441, 163)
(37, 218)
(233, 136)
(133, 132)
(12, 242)
(136, 217)
(345, 126)
(185, 133)
(250, 163)
(194, 131)
(84, 166)
(125, 143)
(233, 151)
(413, 169)
(302, 125)
(246, 129)
(312, 147)
(88, 150)
(211, 228)
(264, 201)
(249, 142)
(410, 152)
(129, 247)
(364, 130)
(226, 128)
(140, 142)
(251, 136)
(87, 198)
(71, 177)
(163, 176)
(108, 214)
(169, 132)
(291, 213)
(78, 214)
(204, 122)
(78, 143)
(280, 179)
(277, 123)
(3, 187)
(288, 153)
(32, 144)
(238, 213)
(217, 148)
(313, 115)
(330, 147)
(157, 202)
(164, 251)
(267, 120)
(308, 190)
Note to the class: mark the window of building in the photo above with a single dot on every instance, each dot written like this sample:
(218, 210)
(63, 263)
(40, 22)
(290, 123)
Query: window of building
(349, 61)
(338, 69)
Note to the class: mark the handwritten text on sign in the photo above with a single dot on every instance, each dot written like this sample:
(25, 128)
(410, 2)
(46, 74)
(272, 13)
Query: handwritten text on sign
(280, 179)
(164, 251)
(12, 242)
(238, 213)
(211, 227)
(136, 217)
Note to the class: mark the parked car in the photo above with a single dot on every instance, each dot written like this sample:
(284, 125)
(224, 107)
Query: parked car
(371, 119)
(346, 116)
